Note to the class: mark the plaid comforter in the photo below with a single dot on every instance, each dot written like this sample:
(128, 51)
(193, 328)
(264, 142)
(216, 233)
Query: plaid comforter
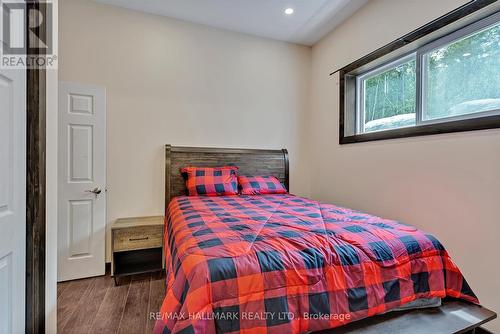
(285, 264)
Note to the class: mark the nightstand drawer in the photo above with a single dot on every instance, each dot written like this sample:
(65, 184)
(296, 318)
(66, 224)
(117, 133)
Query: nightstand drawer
(142, 237)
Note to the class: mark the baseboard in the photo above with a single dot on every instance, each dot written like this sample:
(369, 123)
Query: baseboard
(108, 267)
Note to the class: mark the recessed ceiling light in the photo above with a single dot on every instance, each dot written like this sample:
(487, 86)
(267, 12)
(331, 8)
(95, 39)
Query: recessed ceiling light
(289, 11)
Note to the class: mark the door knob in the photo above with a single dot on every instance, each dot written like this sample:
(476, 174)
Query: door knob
(96, 191)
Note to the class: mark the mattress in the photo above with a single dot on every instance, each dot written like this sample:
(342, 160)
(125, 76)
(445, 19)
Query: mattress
(419, 304)
(286, 264)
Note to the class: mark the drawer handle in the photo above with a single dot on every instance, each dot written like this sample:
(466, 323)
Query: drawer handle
(138, 239)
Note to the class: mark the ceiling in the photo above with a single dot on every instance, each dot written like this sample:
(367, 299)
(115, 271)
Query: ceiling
(311, 20)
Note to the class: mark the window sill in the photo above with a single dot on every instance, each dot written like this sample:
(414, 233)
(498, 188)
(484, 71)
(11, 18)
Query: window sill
(472, 124)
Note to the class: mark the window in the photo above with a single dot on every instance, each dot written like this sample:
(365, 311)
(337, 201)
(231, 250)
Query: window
(387, 96)
(445, 80)
(463, 77)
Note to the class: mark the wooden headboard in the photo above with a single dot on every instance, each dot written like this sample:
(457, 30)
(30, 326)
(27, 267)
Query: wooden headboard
(249, 161)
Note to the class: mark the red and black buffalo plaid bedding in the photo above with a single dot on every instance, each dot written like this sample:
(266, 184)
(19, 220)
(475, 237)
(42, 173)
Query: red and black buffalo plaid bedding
(285, 264)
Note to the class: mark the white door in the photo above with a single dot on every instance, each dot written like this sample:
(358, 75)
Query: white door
(12, 200)
(82, 181)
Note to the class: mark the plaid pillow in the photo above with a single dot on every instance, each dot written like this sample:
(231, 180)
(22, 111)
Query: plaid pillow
(260, 185)
(207, 181)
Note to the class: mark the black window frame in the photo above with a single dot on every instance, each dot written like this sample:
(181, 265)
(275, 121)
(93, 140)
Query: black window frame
(454, 25)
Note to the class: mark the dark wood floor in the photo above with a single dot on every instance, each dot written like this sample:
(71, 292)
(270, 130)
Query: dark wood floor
(96, 305)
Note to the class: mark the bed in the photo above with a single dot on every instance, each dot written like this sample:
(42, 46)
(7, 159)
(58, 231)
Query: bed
(286, 264)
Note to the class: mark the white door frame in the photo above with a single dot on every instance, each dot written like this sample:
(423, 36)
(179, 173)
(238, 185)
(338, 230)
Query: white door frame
(13, 159)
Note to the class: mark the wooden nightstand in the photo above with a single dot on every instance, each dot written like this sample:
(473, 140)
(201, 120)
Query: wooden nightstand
(137, 246)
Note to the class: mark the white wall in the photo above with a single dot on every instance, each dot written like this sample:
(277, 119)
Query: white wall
(51, 192)
(447, 184)
(51, 205)
(174, 82)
